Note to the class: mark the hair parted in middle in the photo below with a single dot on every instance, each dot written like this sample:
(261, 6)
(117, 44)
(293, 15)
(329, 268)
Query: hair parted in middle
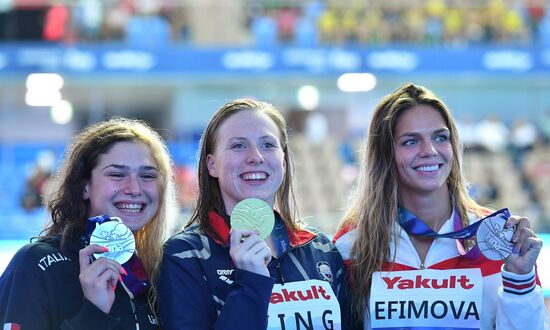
(374, 206)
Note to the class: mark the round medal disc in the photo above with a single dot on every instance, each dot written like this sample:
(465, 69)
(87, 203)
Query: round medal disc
(494, 239)
(117, 237)
(255, 214)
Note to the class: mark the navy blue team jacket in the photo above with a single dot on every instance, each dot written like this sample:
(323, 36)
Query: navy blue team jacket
(200, 288)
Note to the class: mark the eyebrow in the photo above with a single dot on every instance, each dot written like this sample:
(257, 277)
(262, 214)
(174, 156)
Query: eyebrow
(437, 131)
(126, 167)
(240, 138)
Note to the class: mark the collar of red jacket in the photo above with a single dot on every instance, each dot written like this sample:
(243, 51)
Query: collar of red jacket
(221, 227)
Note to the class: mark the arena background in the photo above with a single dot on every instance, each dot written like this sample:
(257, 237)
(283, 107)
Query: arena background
(324, 64)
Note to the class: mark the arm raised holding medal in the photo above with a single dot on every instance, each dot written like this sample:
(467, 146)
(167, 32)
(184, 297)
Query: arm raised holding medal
(92, 267)
(244, 261)
(99, 279)
(421, 251)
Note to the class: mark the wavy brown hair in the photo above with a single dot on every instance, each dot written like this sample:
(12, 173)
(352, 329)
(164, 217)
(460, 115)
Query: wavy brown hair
(375, 200)
(64, 195)
(210, 197)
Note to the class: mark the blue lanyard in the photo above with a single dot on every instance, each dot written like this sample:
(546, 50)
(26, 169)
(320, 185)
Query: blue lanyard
(280, 236)
(90, 226)
(416, 226)
(413, 225)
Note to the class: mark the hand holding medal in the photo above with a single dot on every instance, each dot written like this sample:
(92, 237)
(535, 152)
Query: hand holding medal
(499, 236)
(116, 237)
(248, 250)
(494, 238)
(111, 243)
(253, 214)
(526, 247)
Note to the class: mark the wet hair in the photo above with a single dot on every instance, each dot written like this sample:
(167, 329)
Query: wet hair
(209, 196)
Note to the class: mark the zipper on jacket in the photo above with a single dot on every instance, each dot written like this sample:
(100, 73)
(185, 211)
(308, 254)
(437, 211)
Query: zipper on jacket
(131, 303)
(280, 273)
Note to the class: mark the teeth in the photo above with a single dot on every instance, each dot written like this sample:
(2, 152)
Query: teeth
(132, 208)
(254, 176)
(427, 168)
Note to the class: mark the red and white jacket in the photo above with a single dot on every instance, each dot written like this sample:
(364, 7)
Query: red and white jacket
(510, 301)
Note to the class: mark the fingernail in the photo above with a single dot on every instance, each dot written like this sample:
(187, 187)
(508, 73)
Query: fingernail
(515, 250)
(123, 271)
(105, 249)
(114, 287)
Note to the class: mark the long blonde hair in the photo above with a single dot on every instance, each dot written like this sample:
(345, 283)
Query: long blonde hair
(375, 200)
(69, 211)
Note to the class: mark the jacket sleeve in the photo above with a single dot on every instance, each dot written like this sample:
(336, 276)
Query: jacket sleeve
(90, 317)
(186, 301)
(23, 297)
(520, 293)
(247, 305)
(26, 297)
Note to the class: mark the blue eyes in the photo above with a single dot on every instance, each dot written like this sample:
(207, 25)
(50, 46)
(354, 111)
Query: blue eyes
(438, 138)
(242, 146)
(144, 176)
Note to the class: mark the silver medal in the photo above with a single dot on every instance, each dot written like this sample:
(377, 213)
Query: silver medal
(115, 236)
(494, 239)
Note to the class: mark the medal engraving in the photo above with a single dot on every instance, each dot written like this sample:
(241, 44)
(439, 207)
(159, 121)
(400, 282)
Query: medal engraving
(255, 214)
(494, 239)
(117, 237)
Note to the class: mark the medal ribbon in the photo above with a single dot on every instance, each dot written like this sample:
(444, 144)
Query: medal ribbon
(136, 280)
(280, 235)
(90, 226)
(413, 225)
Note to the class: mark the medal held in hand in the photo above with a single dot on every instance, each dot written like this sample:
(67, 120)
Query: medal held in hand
(115, 236)
(255, 214)
(494, 240)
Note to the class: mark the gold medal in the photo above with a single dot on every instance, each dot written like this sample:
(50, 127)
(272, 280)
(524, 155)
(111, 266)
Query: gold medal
(254, 214)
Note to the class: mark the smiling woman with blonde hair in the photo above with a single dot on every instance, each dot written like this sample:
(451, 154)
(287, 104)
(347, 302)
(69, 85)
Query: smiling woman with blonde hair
(411, 189)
